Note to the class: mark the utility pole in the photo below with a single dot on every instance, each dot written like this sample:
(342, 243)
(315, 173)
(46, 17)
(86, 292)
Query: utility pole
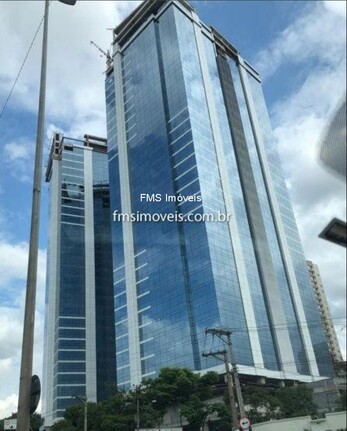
(236, 376)
(86, 415)
(138, 392)
(230, 385)
(84, 400)
(224, 332)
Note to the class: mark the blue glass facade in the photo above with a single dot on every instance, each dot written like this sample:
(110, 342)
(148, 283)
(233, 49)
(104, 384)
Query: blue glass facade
(79, 330)
(186, 117)
(71, 323)
(316, 331)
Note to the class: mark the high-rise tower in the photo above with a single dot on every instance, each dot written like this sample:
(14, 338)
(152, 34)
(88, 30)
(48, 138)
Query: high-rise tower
(79, 328)
(323, 306)
(186, 117)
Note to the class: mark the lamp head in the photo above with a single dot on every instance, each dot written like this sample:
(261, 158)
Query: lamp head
(70, 2)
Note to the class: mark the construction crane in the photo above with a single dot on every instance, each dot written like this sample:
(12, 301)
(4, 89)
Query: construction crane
(105, 53)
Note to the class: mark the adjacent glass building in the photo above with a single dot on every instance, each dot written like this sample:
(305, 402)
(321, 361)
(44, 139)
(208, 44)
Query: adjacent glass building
(79, 346)
(186, 117)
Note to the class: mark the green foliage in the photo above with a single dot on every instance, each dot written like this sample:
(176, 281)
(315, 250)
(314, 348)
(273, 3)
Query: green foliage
(287, 402)
(115, 414)
(174, 386)
(342, 405)
(35, 422)
(63, 425)
(263, 403)
(189, 393)
(182, 388)
(185, 390)
(196, 411)
(296, 401)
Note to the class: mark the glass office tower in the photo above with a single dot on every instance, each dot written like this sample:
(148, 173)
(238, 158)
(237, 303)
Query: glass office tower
(79, 328)
(186, 118)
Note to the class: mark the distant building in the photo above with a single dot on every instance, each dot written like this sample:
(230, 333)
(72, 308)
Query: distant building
(323, 306)
(79, 352)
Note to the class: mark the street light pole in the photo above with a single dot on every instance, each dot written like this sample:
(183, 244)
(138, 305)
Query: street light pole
(23, 416)
(23, 419)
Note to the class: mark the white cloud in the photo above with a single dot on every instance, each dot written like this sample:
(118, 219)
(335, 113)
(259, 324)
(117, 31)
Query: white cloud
(318, 33)
(17, 151)
(13, 272)
(75, 80)
(9, 404)
(10, 333)
(18, 158)
(337, 6)
(14, 261)
(11, 324)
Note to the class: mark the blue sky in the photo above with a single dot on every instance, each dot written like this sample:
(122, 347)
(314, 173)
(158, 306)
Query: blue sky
(297, 46)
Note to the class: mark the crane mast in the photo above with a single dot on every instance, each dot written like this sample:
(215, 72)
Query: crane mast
(104, 53)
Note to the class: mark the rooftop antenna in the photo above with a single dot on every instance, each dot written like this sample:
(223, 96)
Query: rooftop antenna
(103, 53)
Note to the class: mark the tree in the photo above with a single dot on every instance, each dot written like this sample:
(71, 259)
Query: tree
(117, 413)
(63, 425)
(114, 414)
(196, 411)
(342, 402)
(181, 388)
(174, 386)
(187, 392)
(35, 422)
(263, 403)
(287, 402)
(296, 401)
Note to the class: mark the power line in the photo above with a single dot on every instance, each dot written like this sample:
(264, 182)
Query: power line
(21, 68)
(290, 325)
